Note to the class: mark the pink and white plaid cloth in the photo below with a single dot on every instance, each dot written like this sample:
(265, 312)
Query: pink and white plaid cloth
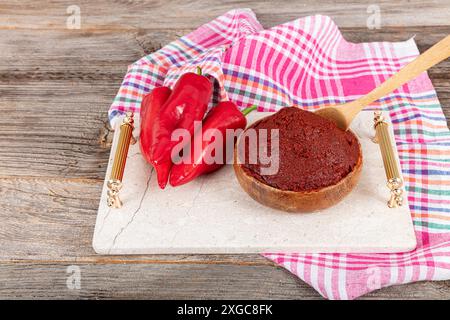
(307, 62)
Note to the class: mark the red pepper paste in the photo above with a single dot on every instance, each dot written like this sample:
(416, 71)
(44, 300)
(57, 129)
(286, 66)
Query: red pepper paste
(313, 152)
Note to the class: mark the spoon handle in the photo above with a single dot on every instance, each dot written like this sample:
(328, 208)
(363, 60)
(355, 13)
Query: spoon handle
(440, 51)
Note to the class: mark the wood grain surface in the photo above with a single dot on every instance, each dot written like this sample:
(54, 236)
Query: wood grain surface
(56, 85)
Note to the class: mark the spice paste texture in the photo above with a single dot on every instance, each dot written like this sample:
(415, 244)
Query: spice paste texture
(313, 152)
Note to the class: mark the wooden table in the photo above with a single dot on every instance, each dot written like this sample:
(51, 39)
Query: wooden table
(56, 85)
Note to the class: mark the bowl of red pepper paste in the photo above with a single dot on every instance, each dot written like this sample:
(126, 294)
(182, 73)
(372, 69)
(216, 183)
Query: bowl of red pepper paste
(308, 164)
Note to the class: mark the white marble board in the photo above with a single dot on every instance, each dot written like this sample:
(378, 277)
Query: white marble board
(213, 215)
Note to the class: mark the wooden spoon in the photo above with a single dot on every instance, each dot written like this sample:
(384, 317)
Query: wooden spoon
(344, 114)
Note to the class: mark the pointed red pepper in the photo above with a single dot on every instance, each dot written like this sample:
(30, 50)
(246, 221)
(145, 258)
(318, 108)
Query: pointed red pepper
(225, 115)
(186, 103)
(150, 127)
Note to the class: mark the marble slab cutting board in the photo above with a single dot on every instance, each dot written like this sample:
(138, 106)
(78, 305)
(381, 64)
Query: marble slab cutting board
(213, 215)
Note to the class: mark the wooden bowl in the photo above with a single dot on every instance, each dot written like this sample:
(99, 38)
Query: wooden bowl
(297, 201)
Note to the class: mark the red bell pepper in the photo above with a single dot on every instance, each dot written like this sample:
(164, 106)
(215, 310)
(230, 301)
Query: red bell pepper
(187, 103)
(225, 115)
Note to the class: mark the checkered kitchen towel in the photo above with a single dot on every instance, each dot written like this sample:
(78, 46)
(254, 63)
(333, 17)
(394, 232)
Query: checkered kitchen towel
(307, 62)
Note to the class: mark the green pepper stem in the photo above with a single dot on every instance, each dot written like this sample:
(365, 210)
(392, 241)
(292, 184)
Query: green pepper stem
(246, 111)
(199, 71)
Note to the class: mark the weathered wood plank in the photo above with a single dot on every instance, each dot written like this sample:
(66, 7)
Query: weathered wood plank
(178, 14)
(96, 53)
(61, 140)
(189, 281)
(52, 220)
(151, 282)
(110, 51)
